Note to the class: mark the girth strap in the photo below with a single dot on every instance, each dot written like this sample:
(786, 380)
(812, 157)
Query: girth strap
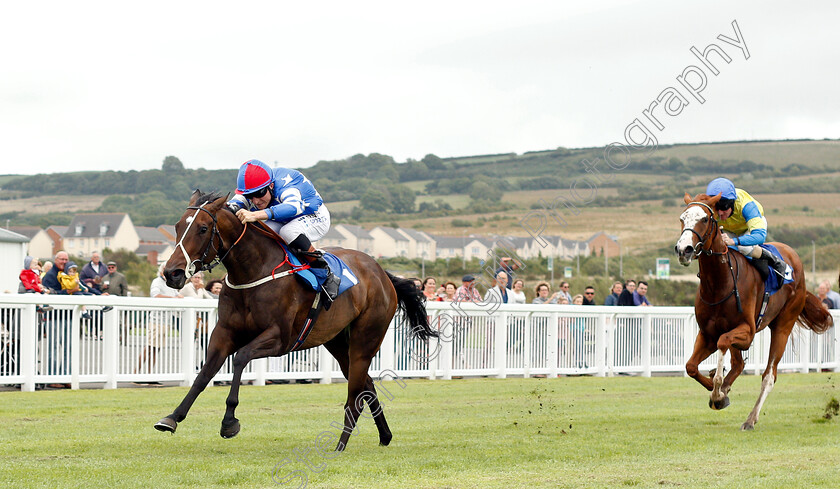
(314, 311)
(763, 310)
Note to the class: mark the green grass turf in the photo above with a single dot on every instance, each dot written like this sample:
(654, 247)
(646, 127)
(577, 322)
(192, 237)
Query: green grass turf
(567, 432)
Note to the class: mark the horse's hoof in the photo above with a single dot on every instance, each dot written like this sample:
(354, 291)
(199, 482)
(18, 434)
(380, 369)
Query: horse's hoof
(166, 424)
(230, 430)
(747, 426)
(718, 405)
(385, 440)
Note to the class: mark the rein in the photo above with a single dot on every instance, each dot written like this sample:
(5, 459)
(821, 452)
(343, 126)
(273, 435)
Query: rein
(708, 252)
(198, 264)
(265, 230)
(702, 239)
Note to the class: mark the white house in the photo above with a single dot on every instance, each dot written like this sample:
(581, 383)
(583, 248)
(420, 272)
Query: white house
(333, 238)
(449, 246)
(40, 243)
(357, 238)
(388, 242)
(12, 253)
(420, 244)
(93, 232)
(477, 248)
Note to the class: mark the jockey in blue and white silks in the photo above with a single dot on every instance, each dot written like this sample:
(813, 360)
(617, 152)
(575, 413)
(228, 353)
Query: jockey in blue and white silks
(289, 204)
(743, 222)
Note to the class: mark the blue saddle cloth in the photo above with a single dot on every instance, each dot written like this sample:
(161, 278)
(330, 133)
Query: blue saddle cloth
(774, 282)
(314, 277)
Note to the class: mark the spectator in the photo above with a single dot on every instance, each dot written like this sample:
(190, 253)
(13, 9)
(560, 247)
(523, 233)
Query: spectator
(114, 282)
(195, 287)
(157, 325)
(50, 279)
(509, 266)
(214, 287)
(449, 290)
(429, 286)
(46, 268)
(834, 296)
(588, 296)
(639, 298)
(822, 295)
(58, 354)
(626, 297)
(417, 283)
(516, 294)
(69, 280)
(564, 291)
(542, 290)
(440, 293)
(467, 292)
(562, 300)
(30, 277)
(92, 274)
(578, 331)
(499, 293)
(615, 292)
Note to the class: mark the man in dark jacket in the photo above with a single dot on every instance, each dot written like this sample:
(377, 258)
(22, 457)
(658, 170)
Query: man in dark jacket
(92, 273)
(626, 297)
(50, 280)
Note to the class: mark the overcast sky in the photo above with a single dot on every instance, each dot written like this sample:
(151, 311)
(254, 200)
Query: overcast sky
(121, 85)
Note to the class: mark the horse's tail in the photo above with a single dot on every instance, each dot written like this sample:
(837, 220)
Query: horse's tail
(410, 302)
(814, 315)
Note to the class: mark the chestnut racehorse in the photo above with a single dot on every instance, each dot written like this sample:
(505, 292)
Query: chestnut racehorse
(728, 304)
(261, 316)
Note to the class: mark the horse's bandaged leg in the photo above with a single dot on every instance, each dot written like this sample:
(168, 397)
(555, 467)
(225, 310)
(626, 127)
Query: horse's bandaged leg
(717, 395)
(766, 386)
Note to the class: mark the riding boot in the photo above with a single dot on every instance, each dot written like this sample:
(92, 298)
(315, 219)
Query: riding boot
(331, 282)
(777, 264)
(303, 248)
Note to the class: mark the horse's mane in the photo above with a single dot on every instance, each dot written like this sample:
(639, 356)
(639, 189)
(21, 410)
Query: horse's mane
(204, 198)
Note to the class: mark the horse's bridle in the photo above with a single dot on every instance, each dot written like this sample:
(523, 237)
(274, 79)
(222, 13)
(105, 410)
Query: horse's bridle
(199, 265)
(709, 235)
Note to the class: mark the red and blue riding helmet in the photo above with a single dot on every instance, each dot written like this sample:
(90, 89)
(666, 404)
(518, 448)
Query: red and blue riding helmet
(253, 175)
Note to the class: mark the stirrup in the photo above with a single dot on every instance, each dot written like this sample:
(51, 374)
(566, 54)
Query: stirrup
(330, 286)
(779, 264)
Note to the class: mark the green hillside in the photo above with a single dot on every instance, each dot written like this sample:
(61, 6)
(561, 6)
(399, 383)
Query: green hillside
(375, 187)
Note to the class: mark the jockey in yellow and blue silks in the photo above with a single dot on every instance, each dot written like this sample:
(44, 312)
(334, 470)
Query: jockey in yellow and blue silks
(742, 219)
(289, 204)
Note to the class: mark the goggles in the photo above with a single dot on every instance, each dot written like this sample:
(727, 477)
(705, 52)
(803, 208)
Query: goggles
(256, 195)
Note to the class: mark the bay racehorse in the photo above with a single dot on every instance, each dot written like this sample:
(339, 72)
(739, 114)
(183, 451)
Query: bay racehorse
(266, 319)
(728, 301)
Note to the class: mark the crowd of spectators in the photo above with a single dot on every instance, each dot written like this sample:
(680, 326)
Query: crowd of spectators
(508, 289)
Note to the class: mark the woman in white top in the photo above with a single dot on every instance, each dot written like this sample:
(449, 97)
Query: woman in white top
(516, 295)
(195, 287)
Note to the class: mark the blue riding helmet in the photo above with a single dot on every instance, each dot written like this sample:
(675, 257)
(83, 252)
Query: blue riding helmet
(722, 186)
(253, 175)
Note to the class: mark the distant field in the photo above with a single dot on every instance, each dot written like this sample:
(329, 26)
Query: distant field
(472, 433)
(640, 225)
(775, 154)
(6, 178)
(50, 204)
(343, 206)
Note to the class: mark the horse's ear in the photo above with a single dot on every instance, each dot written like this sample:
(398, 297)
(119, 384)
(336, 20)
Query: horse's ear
(194, 197)
(687, 198)
(219, 203)
(714, 200)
